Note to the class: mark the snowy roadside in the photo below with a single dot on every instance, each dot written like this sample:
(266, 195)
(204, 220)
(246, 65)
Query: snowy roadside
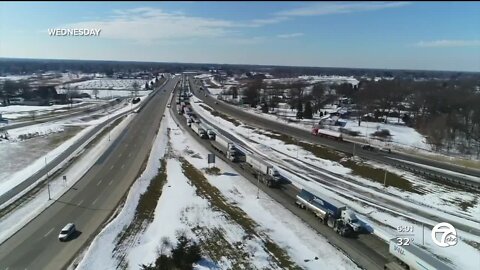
(16, 178)
(99, 254)
(15, 220)
(405, 139)
(435, 196)
(384, 223)
(183, 208)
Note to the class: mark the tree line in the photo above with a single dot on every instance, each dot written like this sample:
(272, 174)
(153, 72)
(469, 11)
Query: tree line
(447, 112)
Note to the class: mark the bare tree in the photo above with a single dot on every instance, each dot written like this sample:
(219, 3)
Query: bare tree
(136, 88)
(33, 114)
(95, 92)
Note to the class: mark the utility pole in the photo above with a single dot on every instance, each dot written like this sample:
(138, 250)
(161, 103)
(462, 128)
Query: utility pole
(385, 179)
(258, 187)
(109, 129)
(297, 147)
(48, 180)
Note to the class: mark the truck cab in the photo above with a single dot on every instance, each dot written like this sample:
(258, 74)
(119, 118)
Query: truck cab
(349, 217)
(211, 134)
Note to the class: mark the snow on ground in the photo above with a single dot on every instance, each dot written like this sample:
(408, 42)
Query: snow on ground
(180, 208)
(330, 79)
(108, 84)
(403, 135)
(108, 94)
(439, 198)
(43, 129)
(215, 91)
(99, 253)
(15, 220)
(17, 111)
(38, 161)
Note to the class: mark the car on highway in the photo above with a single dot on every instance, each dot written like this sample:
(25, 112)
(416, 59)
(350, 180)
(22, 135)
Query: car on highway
(66, 232)
(368, 147)
(386, 150)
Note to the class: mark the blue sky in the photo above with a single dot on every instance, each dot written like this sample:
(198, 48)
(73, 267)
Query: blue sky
(395, 35)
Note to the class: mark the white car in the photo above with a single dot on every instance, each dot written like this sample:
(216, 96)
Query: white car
(67, 231)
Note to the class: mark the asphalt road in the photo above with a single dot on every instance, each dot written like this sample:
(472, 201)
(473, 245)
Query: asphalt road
(366, 250)
(344, 146)
(90, 202)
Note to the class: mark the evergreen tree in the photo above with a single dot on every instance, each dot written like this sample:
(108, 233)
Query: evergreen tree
(299, 110)
(307, 113)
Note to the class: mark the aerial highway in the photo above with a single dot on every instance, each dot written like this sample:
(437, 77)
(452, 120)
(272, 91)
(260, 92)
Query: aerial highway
(91, 201)
(394, 158)
(368, 251)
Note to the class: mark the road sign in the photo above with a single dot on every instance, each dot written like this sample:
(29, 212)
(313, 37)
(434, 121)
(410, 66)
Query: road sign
(211, 158)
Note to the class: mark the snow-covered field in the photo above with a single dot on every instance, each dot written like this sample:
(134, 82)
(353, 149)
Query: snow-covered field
(17, 111)
(112, 84)
(437, 200)
(33, 157)
(180, 207)
(316, 79)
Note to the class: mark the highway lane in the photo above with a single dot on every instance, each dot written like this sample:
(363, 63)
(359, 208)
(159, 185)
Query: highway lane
(368, 251)
(346, 147)
(59, 159)
(91, 201)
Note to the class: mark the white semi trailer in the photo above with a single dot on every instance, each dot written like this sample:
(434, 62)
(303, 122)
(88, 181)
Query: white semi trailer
(263, 171)
(224, 146)
(413, 257)
(199, 130)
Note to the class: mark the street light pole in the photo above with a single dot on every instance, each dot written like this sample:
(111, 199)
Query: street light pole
(258, 187)
(385, 179)
(48, 180)
(109, 129)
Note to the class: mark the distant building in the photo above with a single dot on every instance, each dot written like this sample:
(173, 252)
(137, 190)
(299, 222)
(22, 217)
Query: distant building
(16, 101)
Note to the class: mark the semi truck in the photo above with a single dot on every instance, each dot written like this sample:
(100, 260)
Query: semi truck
(210, 131)
(199, 130)
(412, 257)
(263, 171)
(331, 212)
(224, 146)
(327, 133)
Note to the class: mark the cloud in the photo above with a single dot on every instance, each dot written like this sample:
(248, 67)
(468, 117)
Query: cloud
(273, 20)
(448, 43)
(146, 24)
(292, 35)
(339, 8)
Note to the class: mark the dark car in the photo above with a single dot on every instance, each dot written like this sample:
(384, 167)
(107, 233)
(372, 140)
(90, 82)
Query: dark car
(368, 147)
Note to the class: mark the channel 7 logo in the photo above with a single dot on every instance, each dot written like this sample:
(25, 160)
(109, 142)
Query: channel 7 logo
(444, 235)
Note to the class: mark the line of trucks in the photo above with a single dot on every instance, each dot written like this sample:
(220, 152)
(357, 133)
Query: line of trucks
(330, 212)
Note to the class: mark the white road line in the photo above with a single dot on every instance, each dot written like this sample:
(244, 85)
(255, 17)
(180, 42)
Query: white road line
(51, 230)
(80, 202)
(95, 201)
(99, 182)
(110, 182)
